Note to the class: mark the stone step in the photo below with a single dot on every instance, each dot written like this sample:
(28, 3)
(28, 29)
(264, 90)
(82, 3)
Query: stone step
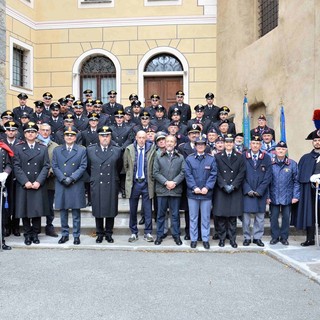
(121, 225)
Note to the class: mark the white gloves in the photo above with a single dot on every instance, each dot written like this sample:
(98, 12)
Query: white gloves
(313, 178)
(3, 177)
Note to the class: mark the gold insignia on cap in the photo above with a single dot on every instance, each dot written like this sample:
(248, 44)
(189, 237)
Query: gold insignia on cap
(105, 128)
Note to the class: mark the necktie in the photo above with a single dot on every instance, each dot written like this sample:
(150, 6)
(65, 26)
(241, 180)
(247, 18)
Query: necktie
(69, 149)
(268, 146)
(140, 163)
(104, 149)
(229, 155)
(255, 159)
(31, 147)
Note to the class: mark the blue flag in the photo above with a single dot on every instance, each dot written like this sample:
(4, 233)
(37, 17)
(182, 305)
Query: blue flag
(282, 125)
(246, 123)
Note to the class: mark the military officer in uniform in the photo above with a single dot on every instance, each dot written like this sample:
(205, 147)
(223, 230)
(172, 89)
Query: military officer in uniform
(31, 165)
(56, 119)
(80, 119)
(17, 111)
(200, 119)
(39, 116)
(5, 171)
(262, 126)
(47, 98)
(90, 135)
(227, 196)
(69, 164)
(105, 162)
(183, 107)
(211, 111)
(201, 174)
(112, 105)
(68, 122)
(255, 190)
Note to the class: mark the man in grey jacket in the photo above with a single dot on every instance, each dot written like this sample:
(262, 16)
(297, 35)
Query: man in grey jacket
(168, 172)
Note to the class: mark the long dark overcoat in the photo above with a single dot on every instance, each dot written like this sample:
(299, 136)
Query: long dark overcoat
(31, 165)
(230, 172)
(69, 164)
(104, 180)
(258, 178)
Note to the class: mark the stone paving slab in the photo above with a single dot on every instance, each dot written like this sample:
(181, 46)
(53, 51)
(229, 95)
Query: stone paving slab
(304, 260)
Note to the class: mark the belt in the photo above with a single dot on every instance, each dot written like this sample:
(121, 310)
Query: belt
(140, 180)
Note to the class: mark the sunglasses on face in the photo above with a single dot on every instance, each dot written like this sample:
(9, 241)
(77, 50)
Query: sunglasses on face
(155, 100)
(180, 97)
(112, 96)
(144, 118)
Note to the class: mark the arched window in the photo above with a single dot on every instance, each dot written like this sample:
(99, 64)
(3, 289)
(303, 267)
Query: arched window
(98, 74)
(163, 62)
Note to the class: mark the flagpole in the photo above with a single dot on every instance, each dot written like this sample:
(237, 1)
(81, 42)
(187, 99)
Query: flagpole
(246, 120)
(283, 136)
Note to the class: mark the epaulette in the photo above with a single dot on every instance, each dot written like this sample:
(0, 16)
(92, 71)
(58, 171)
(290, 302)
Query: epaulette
(20, 142)
(92, 145)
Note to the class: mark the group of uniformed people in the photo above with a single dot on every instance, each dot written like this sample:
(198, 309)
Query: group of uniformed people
(62, 153)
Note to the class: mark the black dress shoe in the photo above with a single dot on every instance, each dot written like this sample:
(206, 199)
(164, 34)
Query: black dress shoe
(215, 237)
(16, 233)
(308, 243)
(5, 247)
(52, 233)
(27, 241)
(99, 239)
(258, 242)
(206, 245)
(142, 221)
(35, 240)
(187, 236)
(63, 239)
(109, 238)
(164, 236)
(233, 244)
(193, 244)
(178, 241)
(285, 242)
(246, 242)
(158, 241)
(221, 243)
(274, 241)
(76, 240)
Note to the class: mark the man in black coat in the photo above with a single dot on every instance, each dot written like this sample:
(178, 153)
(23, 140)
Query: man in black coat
(31, 165)
(104, 161)
(211, 111)
(112, 106)
(5, 171)
(308, 175)
(80, 119)
(200, 119)
(56, 120)
(12, 225)
(39, 116)
(17, 111)
(183, 107)
(227, 196)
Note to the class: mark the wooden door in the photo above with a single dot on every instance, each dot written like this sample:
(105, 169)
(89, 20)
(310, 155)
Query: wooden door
(165, 87)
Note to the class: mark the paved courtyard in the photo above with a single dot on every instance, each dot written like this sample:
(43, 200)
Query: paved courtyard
(144, 284)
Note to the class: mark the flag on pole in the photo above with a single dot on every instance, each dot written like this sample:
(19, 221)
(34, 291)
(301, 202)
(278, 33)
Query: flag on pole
(282, 125)
(246, 122)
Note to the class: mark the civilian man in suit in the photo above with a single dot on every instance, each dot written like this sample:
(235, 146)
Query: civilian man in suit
(138, 164)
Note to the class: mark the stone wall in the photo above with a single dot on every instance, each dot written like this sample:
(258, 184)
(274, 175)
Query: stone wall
(2, 56)
(283, 64)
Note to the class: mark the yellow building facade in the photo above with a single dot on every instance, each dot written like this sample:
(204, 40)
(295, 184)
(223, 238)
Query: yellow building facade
(141, 46)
